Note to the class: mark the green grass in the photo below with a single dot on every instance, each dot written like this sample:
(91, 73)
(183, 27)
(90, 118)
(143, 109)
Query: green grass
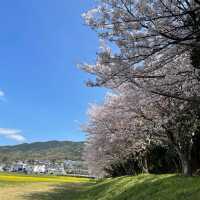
(142, 187)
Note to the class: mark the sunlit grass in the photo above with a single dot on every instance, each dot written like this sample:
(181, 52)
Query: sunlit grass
(142, 187)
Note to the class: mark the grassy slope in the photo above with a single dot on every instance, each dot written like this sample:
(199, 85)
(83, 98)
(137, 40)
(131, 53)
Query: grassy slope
(148, 187)
(143, 187)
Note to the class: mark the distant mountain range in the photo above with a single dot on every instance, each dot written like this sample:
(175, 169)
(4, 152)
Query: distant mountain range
(51, 150)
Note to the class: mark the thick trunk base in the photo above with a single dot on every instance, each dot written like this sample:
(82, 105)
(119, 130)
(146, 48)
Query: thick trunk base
(186, 167)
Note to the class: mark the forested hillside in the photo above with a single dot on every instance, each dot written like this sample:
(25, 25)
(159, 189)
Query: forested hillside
(43, 150)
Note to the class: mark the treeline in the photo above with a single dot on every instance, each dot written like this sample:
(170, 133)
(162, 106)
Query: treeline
(150, 61)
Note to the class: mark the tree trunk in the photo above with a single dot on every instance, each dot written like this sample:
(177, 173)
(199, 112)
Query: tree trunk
(185, 155)
(186, 165)
(145, 165)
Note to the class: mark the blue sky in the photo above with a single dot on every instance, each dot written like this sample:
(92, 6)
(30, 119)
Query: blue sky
(42, 92)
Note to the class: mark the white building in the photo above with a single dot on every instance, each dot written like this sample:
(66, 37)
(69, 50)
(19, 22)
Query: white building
(39, 169)
(1, 168)
(28, 169)
(57, 170)
(19, 167)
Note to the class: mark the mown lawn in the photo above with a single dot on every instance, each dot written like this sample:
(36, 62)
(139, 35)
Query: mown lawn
(142, 187)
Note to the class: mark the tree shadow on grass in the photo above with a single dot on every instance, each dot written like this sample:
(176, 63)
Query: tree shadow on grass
(142, 187)
(69, 192)
(59, 192)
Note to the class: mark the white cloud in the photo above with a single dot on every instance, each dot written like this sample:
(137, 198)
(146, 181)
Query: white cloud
(12, 134)
(2, 96)
(2, 93)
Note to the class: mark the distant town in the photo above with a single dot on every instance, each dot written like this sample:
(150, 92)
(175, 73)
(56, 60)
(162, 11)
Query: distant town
(66, 167)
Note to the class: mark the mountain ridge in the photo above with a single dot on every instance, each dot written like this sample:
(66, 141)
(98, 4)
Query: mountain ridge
(50, 150)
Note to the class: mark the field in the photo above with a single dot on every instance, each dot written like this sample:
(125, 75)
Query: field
(24, 187)
(142, 187)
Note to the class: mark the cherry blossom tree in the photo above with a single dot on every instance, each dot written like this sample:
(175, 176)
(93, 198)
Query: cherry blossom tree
(120, 127)
(147, 35)
(149, 57)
